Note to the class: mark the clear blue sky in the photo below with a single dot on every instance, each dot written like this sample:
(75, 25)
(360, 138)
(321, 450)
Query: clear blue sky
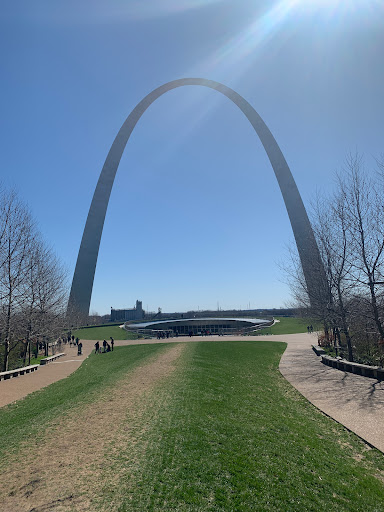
(196, 217)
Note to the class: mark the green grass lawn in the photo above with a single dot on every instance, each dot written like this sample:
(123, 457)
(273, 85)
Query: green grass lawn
(104, 332)
(225, 432)
(35, 360)
(29, 418)
(289, 325)
(232, 434)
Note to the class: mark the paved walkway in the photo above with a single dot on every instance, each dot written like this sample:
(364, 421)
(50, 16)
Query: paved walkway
(355, 401)
(21, 386)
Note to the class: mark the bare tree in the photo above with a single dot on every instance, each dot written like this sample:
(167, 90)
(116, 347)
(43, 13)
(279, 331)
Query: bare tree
(18, 234)
(349, 229)
(332, 231)
(33, 284)
(366, 219)
(45, 296)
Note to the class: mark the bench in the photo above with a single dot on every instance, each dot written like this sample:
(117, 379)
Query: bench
(49, 359)
(374, 372)
(18, 371)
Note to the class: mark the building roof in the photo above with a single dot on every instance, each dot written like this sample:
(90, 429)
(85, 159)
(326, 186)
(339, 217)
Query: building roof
(251, 321)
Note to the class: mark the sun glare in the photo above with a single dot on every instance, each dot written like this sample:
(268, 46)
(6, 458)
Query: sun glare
(339, 6)
(233, 56)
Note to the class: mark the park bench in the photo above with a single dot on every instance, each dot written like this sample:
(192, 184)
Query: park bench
(374, 372)
(18, 371)
(49, 359)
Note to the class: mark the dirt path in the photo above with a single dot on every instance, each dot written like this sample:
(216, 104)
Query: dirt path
(68, 468)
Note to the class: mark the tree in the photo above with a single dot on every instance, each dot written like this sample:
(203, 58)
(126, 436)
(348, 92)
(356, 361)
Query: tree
(17, 236)
(45, 299)
(332, 231)
(366, 218)
(33, 285)
(349, 230)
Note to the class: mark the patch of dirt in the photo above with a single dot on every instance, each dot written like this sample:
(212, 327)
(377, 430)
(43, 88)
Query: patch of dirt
(65, 473)
(345, 444)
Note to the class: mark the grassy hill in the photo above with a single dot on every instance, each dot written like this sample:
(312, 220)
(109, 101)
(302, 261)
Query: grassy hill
(104, 332)
(223, 431)
(289, 325)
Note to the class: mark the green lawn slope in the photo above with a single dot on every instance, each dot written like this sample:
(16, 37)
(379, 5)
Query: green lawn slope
(224, 432)
(28, 418)
(289, 325)
(104, 332)
(232, 434)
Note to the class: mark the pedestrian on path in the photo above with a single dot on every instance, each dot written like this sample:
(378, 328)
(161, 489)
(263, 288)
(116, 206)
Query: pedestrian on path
(97, 347)
(79, 348)
(112, 342)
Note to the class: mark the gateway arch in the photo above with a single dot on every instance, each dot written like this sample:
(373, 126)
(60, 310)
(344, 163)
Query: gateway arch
(82, 283)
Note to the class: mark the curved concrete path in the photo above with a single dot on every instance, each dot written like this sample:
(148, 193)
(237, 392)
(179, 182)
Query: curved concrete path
(21, 386)
(354, 401)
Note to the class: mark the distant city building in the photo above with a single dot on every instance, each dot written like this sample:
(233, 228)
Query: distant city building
(124, 315)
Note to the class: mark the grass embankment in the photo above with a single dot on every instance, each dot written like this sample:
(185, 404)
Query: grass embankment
(288, 325)
(26, 420)
(232, 434)
(104, 332)
(224, 432)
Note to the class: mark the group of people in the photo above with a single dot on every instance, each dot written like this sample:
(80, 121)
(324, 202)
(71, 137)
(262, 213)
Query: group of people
(106, 346)
(73, 341)
(309, 328)
(76, 343)
(164, 334)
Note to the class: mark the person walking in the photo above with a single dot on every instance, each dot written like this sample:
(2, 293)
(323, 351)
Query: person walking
(79, 348)
(104, 346)
(112, 343)
(97, 347)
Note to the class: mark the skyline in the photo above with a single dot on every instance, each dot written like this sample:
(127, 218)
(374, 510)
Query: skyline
(71, 77)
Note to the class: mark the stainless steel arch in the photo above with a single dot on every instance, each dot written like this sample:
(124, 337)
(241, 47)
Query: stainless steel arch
(82, 283)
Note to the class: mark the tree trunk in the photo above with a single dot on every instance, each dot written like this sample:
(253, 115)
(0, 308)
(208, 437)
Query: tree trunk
(6, 355)
(375, 309)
